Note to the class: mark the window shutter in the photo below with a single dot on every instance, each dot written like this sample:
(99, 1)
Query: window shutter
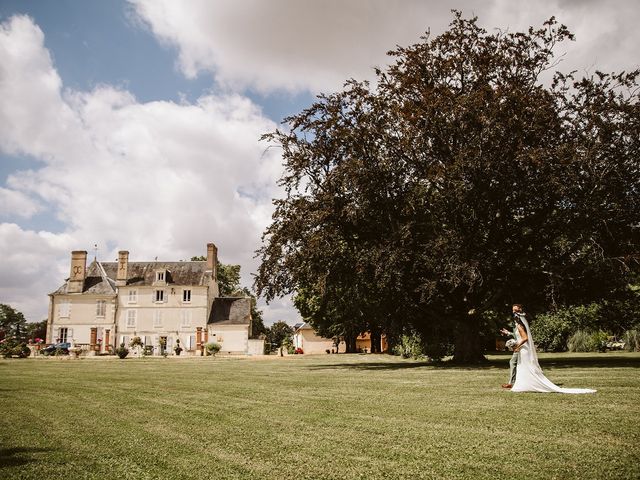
(169, 343)
(70, 335)
(55, 334)
(147, 340)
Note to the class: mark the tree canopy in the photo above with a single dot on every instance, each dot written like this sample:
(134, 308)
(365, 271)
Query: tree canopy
(13, 325)
(458, 184)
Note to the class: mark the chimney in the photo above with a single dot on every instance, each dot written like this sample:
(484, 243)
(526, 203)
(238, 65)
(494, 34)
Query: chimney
(123, 265)
(212, 259)
(78, 271)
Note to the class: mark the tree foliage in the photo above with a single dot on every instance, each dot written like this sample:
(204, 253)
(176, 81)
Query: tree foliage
(35, 330)
(13, 325)
(459, 184)
(279, 334)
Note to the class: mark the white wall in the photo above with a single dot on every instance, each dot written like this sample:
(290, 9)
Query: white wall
(232, 338)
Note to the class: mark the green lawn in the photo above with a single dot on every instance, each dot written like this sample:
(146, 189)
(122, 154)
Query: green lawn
(333, 416)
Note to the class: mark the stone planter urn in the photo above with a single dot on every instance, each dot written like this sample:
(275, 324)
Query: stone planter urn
(75, 352)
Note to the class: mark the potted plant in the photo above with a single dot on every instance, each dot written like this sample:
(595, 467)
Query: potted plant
(177, 348)
(136, 342)
(122, 351)
(75, 351)
(163, 346)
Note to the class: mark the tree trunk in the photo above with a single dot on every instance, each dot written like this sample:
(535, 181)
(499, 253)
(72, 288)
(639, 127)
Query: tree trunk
(468, 348)
(375, 342)
(350, 342)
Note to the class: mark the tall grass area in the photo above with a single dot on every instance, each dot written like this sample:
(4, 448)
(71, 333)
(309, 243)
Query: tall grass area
(303, 417)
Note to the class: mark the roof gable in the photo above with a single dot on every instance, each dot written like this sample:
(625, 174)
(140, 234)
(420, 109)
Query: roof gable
(96, 282)
(231, 311)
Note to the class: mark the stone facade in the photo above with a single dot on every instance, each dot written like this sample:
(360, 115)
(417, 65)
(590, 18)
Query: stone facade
(109, 303)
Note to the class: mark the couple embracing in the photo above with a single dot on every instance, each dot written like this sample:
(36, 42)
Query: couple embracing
(525, 373)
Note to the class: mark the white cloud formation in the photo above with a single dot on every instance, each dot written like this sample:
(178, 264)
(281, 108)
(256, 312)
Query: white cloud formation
(316, 45)
(158, 179)
(16, 203)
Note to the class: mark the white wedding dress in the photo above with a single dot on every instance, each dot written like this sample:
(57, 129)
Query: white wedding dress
(529, 376)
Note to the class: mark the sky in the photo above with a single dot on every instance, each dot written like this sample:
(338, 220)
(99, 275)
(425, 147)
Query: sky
(135, 125)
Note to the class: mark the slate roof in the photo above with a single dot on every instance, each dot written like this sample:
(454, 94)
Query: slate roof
(179, 273)
(231, 311)
(97, 282)
(101, 276)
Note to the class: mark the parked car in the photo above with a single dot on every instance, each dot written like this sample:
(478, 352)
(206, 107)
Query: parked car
(51, 349)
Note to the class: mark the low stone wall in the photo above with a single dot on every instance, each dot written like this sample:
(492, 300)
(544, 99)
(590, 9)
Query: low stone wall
(255, 347)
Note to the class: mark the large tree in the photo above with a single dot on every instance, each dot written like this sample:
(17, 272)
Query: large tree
(459, 184)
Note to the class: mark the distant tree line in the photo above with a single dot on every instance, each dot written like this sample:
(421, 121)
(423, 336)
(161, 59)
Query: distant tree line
(16, 332)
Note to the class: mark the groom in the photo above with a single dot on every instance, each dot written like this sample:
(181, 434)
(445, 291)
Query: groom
(513, 363)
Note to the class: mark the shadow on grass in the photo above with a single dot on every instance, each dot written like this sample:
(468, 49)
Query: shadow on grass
(594, 361)
(17, 456)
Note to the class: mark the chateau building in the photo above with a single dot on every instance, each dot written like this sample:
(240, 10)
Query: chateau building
(109, 303)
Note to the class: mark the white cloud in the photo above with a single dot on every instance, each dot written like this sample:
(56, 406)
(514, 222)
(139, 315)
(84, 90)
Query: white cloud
(31, 267)
(16, 203)
(158, 179)
(316, 45)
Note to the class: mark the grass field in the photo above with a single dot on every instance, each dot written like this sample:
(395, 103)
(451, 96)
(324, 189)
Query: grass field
(334, 416)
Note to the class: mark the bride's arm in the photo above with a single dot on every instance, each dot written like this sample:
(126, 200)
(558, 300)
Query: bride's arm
(523, 338)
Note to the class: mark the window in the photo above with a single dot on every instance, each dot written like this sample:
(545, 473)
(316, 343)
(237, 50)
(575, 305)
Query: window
(157, 318)
(159, 295)
(101, 307)
(186, 295)
(63, 335)
(160, 276)
(192, 342)
(131, 318)
(133, 296)
(63, 308)
(185, 316)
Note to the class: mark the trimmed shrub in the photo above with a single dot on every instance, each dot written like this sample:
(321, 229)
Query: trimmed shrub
(632, 340)
(122, 351)
(10, 348)
(213, 348)
(583, 341)
(552, 330)
(409, 346)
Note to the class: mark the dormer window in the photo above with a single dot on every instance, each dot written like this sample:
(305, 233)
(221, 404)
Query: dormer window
(160, 276)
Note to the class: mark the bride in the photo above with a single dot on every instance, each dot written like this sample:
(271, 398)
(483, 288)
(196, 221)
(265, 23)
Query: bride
(529, 376)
